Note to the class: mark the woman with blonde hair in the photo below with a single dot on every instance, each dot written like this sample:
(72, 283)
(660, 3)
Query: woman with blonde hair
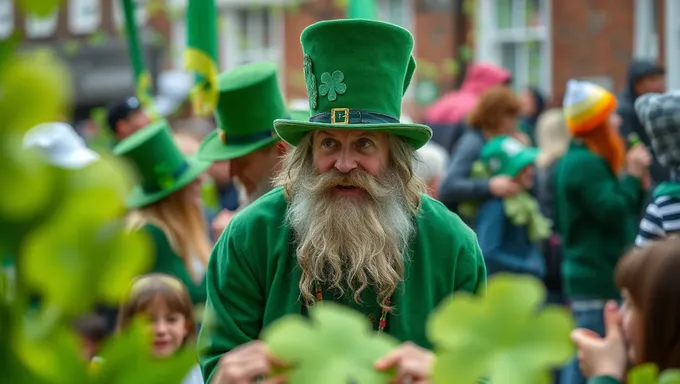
(167, 204)
(552, 138)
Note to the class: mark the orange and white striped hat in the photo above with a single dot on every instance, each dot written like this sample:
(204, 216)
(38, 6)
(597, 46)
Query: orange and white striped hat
(586, 106)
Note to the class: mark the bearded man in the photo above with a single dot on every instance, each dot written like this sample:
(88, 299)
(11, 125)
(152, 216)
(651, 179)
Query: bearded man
(348, 222)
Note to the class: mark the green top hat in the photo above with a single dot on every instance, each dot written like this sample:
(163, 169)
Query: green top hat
(356, 72)
(250, 100)
(505, 155)
(162, 168)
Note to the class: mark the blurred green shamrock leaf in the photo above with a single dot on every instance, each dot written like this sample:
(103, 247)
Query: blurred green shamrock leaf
(30, 191)
(504, 335)
(39, 8)
(35, 87)
(649, 374)
(85, 251)
(336, 347)
(32, 91)
(55, 356)
(127, 358)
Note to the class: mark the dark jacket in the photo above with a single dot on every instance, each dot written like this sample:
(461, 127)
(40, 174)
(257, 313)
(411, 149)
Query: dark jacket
(506, 247)
(631, 123)
(457, 185)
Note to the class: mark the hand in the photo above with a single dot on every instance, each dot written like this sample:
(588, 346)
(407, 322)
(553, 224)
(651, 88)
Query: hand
(602, 357)
(638, 160)
(503, 186)
(245, 364)
(220, 222)
(412, 363)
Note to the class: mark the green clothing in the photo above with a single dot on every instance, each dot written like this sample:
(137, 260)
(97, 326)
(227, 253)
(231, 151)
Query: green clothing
(597, 219)
(169, 262)
(603, 380)
(253, 277)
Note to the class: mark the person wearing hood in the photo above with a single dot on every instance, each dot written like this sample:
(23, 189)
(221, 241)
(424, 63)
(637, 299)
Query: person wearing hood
(453, 107)
(533, 104)
(660, 115)
(446, 117)
(644, 76)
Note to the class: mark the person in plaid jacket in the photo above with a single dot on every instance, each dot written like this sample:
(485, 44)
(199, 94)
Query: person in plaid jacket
(660, 115)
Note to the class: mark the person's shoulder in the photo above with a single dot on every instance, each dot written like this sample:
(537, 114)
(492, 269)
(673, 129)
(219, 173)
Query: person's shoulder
(268, 210)
(437, 220)
(581, 158)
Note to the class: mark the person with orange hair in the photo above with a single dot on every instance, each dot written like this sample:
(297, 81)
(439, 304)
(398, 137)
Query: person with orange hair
(599, 193)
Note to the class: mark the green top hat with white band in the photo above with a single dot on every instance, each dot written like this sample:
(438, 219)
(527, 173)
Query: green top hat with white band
(505, 155)
(250, 100)
(161, 167)
(356, 72)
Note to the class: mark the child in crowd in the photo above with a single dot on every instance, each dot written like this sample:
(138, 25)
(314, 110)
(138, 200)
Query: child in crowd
(647, 327)
(510, 229)
(92, 330)
(660, 115)
(164, 300)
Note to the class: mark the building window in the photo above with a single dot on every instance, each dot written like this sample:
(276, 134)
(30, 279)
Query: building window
(252, 35)
(517, 37)
(6, 18)
(399, 12)
(396, 12)
(672, 48)
(646, 29)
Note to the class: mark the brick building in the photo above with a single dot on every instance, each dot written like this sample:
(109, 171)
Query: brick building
(543, 42)
(548, 42)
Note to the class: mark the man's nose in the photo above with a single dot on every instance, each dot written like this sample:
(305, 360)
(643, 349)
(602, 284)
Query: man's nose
(345, 162)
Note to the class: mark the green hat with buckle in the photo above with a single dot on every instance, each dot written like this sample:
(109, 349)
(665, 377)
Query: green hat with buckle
(161, 167)
(356, 72)
(505, 155)
(250, 100)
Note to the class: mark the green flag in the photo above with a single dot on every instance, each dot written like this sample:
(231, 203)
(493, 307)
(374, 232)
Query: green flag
(362, 9)
(201, 54)
(142, 76)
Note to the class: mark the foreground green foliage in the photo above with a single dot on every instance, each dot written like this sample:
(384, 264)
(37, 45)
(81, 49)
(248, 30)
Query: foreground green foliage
(336, 347)
(62, 240)
(63, 245)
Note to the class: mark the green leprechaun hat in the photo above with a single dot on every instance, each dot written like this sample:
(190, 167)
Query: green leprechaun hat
(250, 100)
(162, 168)
(505, 155)
(356, 72)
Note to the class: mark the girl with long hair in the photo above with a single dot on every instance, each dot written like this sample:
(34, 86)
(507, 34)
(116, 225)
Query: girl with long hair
(167, 204)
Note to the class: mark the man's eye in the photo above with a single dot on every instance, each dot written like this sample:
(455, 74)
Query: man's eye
(364, 143)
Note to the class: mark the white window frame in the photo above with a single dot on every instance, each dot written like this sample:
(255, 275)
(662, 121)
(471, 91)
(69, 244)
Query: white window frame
(408, 12)
(646, 36)
(7, 18)
(230, 43)
(489, 40)
(672, 48)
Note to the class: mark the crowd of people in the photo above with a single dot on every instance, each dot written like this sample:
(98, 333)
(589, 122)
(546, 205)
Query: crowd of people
(347, 200)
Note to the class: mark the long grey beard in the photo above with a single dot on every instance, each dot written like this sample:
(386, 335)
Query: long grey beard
(363, 241)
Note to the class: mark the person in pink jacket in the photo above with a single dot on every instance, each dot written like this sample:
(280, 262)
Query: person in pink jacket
(455, 105)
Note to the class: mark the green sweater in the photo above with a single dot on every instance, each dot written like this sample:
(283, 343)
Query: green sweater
(169, 262)
(603, 380)
(597, 219)
(253, 276)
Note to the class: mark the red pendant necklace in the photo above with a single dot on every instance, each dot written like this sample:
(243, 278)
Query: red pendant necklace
(382, 323)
